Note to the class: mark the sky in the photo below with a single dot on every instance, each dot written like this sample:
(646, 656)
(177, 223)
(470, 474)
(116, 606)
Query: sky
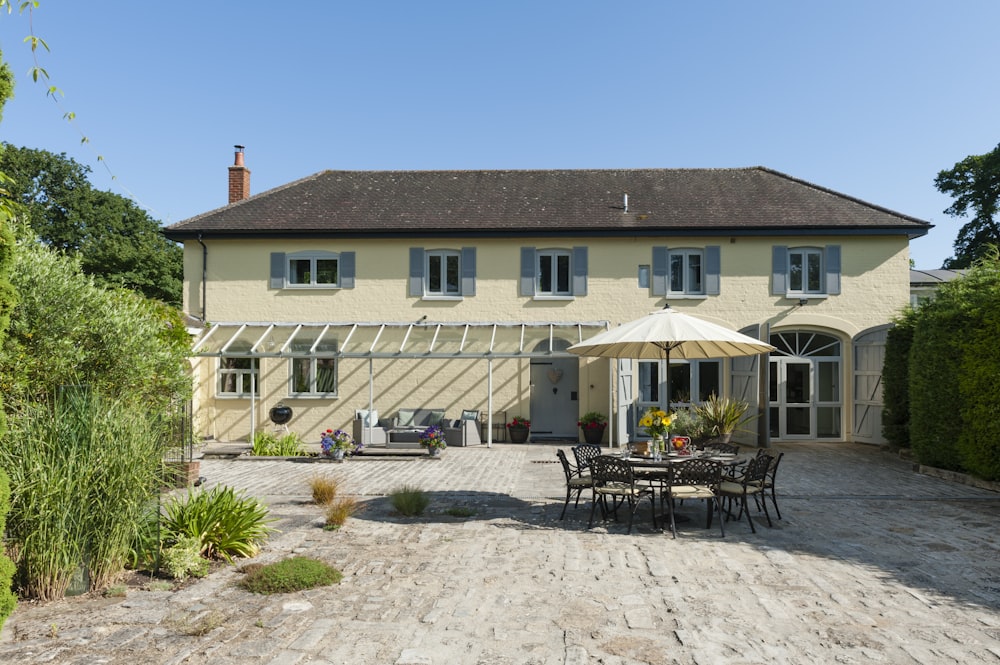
(868, 98)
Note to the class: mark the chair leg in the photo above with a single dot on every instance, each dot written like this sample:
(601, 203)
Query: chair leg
(774, 500)
(593, 508)
(744, 508)
(566, 505)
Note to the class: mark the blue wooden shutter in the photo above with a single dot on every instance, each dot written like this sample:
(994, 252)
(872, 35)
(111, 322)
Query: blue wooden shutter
(579, 271)
(416, 287)
(713, 270)
(527, 271)
(468, 286)
(346, 267)
(832, 260)
(277, 270)
(661, 267)
(779, 270)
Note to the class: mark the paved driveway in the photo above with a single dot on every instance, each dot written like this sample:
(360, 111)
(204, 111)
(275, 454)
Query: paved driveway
(872, 563)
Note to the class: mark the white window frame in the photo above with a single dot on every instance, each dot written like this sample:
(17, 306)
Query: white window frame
(312, 258)
(442, 273)
(553, 256)
(685, 256)
(312, 390)
(807, 255)
(239, 374)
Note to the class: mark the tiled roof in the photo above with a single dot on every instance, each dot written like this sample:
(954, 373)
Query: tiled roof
(537, 202)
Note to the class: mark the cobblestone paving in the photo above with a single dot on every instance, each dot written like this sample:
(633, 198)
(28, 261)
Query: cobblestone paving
(871, 563)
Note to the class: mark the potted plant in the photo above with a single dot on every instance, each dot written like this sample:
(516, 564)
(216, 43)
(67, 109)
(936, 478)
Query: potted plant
(519, 428)
(593, 424)
(722, 416)
(689, 423)
(337, 444)
(433, 440)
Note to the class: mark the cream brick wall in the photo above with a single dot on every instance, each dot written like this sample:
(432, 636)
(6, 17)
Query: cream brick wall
(874, 287)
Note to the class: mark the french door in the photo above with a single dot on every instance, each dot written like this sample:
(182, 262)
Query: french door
(804, 392)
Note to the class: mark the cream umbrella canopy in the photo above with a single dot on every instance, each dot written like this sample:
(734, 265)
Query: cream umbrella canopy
(667, 334)
(670, 334)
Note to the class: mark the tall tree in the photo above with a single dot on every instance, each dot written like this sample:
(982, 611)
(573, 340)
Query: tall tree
(974, 183)
(116, 241)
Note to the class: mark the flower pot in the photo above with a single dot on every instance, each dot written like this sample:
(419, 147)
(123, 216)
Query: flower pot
(594, 435)
(434, 451)
(337, 454)
(518, 433)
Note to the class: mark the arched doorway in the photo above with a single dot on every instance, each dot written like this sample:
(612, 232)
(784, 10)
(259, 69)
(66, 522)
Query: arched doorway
(555, 394)
(805, 395)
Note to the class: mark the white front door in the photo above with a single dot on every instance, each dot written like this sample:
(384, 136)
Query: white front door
(804, 386)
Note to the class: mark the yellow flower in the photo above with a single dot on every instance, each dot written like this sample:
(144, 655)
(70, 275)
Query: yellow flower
(645, 421)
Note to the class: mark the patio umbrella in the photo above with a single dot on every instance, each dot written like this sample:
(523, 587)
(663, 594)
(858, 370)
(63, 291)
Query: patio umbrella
(667, 333)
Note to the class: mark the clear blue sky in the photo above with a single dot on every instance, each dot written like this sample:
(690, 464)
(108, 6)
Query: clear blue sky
(871, 98)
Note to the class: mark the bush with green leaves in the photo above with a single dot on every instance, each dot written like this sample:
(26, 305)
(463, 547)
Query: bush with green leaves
(896, 381)
(66, 330)
(269, 444)
(184, 558)
(294, 574)
(226, 523)
(83, 468)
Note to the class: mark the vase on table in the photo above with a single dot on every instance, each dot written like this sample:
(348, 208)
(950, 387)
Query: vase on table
(657, 447)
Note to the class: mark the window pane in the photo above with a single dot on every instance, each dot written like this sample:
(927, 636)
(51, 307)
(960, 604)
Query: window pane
(828, 421)
(544, 273)
(301, 375)
(298, 271)
(815, 275)
(676, 272)
(452, 273)
(563, 276)
(434, 274)
(680, 382)
(829, 382)
(326, 271)
(326, 375)
(708, 379)
(795, 271)
(694, 273)
(649, 381)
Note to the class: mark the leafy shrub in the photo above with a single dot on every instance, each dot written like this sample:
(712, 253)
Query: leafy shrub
(268, 444)
(226, 524)
(324, 489)
(409, 500)
(184, 558)
(294, 574)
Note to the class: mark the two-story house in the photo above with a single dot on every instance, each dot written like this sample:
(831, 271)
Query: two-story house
(462, 290)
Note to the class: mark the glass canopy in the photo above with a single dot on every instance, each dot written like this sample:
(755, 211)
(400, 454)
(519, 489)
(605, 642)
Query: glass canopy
(394, 340)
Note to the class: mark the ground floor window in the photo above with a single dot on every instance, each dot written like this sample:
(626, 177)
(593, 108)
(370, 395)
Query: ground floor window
(690, 382)
(313, 377)
(237, 376)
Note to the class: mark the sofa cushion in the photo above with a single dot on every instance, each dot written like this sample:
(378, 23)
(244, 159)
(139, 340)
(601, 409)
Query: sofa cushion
(404, 417)
(367, 418)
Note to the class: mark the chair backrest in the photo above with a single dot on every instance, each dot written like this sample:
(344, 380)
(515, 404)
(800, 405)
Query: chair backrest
(606, 469)
(696, 472)
(567, 467)
(720, 447)
(584, 453)
(756, 470)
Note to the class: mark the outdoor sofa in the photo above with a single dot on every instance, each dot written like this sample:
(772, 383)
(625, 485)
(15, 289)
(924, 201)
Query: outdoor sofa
(403, 429)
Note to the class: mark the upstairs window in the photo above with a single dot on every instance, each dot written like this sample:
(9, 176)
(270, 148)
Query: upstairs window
(686, 272)
(442, 273)
(553, 273)
(312, 270)
(805, 271)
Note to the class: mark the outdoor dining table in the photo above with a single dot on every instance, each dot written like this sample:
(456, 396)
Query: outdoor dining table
(647, 469)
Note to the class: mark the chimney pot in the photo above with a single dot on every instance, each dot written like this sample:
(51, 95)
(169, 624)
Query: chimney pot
(239, 178)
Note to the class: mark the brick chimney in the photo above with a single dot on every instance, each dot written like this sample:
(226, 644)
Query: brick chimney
(239, 178)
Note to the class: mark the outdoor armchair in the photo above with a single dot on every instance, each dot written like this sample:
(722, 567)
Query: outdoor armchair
(613, 479)
(575, 481)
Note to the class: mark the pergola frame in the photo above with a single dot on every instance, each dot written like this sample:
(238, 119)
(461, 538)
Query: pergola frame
(393, 340)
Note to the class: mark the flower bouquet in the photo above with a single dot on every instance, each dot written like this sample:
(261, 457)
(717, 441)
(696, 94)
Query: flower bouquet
(657, 423)
(432, 438)
(337, 443)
